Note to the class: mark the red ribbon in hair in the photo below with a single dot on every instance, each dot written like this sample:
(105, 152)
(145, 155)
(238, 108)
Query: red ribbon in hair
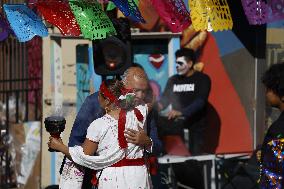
(107, 94)
(122, 115)
(124, 91)
(138, 114)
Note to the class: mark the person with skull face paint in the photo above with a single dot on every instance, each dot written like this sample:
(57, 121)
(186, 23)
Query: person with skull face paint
(187, 92)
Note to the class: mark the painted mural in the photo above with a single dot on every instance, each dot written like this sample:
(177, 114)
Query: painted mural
(230, 66)
(154, 59)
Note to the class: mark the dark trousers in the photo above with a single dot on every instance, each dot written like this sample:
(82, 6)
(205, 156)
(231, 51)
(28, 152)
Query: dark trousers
(196, 137)
(176, 127)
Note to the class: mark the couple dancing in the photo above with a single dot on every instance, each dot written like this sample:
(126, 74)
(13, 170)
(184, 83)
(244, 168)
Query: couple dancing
(119, 161)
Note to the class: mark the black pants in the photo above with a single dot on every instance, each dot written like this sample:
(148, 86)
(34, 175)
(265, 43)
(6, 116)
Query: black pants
(196, 137)
(177, 126)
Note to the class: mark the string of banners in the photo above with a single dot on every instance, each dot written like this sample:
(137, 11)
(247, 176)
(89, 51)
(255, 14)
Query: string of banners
(88, 18)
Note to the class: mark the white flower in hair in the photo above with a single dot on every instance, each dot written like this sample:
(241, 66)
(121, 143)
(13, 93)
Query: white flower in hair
(127, 96)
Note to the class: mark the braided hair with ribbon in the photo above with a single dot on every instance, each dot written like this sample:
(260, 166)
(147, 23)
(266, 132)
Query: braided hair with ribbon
(122, 98)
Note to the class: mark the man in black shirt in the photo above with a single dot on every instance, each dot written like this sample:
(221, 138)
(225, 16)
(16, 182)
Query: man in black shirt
(187, 93)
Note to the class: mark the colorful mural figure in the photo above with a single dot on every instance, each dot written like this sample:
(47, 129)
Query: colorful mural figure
(157, 68)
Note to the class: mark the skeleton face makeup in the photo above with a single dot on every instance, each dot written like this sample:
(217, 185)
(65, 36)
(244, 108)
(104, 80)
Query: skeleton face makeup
(182, 66)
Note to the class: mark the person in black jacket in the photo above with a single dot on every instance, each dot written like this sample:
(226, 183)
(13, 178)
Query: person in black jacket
(272, 150)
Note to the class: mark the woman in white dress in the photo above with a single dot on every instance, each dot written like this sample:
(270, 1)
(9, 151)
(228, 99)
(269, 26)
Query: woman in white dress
(119, 164)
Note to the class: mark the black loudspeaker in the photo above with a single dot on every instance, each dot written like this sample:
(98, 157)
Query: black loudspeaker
(112, 56)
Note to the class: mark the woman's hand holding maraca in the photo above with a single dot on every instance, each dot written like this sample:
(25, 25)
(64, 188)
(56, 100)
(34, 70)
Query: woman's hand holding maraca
(55, 143)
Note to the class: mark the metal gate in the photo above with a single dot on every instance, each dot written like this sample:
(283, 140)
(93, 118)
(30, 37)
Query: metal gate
(20, 93)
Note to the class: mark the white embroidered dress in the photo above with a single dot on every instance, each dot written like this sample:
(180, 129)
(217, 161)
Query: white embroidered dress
(105, 131)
